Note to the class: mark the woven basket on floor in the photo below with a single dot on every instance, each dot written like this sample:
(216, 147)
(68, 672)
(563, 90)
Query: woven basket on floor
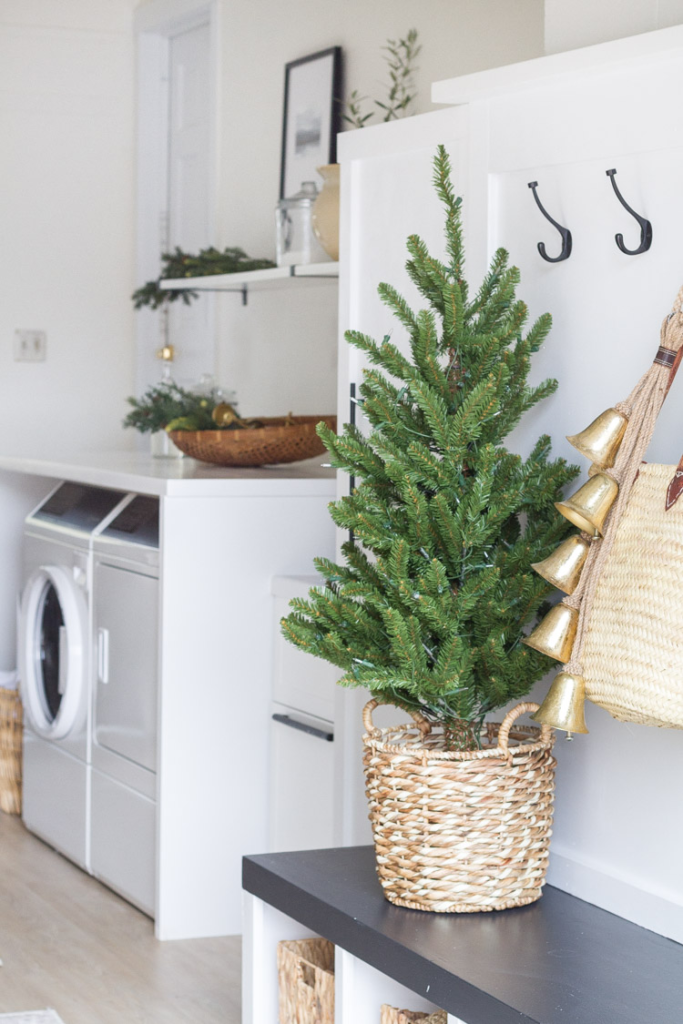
(305, 970)
(281, 439)
(10, 751)
(391, 1015)
(460, 831)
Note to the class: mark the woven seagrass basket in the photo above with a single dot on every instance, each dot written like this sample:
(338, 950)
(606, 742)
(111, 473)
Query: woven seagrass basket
(392, 1015)
(460, 831)
(281, 439)
(305, 970)
(11, 718)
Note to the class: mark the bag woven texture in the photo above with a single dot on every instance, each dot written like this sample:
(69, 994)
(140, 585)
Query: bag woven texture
(629, 641)
(633, 654)
(460, 831)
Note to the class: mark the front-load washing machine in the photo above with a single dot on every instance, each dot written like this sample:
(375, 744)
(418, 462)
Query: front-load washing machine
(55, 663)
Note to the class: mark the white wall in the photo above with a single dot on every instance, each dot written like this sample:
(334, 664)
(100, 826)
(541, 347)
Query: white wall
(570, 24)
(66, 223)
(280, 352)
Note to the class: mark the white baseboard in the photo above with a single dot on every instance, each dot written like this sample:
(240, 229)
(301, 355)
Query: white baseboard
(659, 911)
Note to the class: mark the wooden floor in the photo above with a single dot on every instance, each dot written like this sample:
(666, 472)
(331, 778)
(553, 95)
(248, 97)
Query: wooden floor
(68, 942)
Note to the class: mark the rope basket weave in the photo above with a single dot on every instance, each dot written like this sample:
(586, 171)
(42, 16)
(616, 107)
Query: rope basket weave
(460, 831)
(392, 1015)
(305, 970)
(11, 717)
(281, 439)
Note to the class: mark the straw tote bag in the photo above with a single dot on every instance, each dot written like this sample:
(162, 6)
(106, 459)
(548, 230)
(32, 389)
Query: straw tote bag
(629, 643)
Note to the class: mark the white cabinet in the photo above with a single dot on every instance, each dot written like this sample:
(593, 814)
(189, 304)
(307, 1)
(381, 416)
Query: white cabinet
(302, 682)
(301, 781)
(302, 763)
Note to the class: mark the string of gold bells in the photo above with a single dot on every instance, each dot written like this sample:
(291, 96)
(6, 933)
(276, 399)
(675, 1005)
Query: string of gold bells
(615, 444)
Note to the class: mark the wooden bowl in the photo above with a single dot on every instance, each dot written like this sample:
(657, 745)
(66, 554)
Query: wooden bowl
(280, 439)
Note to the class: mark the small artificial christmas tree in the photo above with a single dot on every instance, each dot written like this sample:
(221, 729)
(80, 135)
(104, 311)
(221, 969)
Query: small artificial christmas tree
(428, 609)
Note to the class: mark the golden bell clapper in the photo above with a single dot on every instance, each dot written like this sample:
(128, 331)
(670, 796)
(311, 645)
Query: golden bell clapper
(563, 705)
(589, 507)
(600, 441)
(556, 632)
(563, 567)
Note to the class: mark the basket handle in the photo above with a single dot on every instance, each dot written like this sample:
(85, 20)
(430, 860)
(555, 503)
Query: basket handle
(423, 725)
(506, 725)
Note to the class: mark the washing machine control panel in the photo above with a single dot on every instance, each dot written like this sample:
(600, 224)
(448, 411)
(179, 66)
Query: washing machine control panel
(77, 506)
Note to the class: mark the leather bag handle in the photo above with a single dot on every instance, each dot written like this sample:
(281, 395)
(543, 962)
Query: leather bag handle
(675, 488)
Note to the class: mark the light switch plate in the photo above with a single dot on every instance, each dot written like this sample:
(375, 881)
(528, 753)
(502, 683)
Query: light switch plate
(30, 346)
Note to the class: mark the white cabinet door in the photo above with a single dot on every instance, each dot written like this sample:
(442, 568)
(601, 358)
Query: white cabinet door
(305, 683)
(126, 638)
(301, 791)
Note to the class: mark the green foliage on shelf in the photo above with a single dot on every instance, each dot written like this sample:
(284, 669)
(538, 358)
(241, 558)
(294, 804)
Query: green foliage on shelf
(429, 606)
(178, 264)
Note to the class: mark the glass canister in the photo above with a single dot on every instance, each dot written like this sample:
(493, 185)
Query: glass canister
(296, 242)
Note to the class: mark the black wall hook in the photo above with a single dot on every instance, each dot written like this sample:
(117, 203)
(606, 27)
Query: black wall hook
(565, 232)
(645, 225)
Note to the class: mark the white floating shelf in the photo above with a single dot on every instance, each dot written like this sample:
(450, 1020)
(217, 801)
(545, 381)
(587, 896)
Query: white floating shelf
(273, 277)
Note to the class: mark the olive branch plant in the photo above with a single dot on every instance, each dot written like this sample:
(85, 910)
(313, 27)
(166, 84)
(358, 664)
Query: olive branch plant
(400, 56)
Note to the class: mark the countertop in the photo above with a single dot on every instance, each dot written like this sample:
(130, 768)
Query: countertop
(135, 471)
(558, 961)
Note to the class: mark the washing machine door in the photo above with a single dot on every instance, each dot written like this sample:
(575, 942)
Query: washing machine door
(52, 652)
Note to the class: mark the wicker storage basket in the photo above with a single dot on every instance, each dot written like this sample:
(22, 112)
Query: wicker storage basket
(306, 981)
(390, 1015)
(460, 831)
(281, 439)
(10, 751)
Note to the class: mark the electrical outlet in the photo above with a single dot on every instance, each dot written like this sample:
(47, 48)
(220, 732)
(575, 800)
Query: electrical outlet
(30, 346)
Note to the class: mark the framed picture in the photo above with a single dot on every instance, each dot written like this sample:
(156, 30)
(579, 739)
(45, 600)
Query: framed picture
(311, 118)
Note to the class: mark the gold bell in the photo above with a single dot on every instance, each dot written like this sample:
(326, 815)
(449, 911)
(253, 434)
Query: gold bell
(224, 415)
(555, 634)
(600, 441)
(563, 705)
(563, 567)
(589, 507)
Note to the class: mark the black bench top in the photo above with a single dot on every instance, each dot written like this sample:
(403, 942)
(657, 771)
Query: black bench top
(559, 961)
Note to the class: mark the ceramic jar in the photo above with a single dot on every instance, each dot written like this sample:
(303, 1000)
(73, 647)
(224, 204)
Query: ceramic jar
(326, 211)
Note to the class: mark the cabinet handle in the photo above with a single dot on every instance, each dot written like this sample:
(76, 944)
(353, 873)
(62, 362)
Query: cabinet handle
(293, 723)
(103, 655)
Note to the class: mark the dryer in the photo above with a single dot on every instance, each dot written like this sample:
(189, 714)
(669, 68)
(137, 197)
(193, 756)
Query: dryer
(55, 623)
(126, 630)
